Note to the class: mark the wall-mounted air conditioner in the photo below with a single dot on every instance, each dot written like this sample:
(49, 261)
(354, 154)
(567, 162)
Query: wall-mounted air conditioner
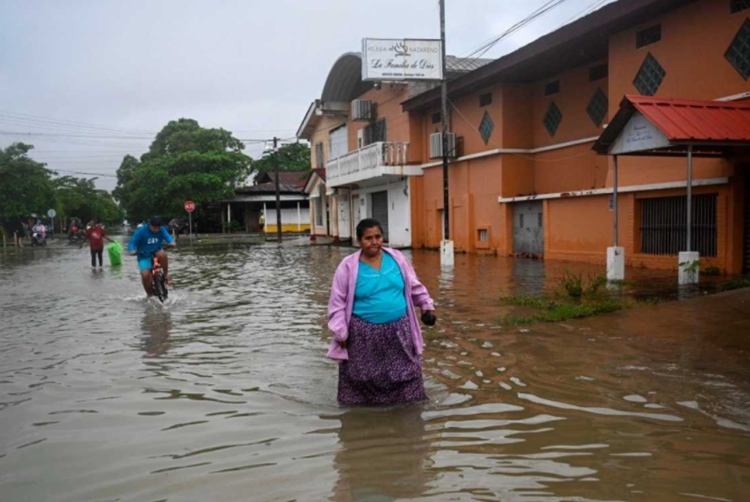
(436, 145)
(363, 110)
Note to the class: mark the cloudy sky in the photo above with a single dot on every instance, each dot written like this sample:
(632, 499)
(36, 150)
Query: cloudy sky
(89, 81)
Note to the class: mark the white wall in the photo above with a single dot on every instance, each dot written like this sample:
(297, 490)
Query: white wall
(288, 215)
(399, 210)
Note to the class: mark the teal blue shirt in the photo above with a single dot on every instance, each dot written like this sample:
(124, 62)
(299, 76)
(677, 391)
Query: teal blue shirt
(379, 295)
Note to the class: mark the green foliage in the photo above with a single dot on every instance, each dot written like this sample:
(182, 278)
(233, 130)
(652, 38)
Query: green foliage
(735, 283)
(575, 286)
(711, 270)
(80, 198)
(185, 161)
(25, 186)
(292, 157)
(558, 309)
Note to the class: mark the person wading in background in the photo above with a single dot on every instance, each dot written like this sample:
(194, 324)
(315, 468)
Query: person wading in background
(95, 234)
(376, 334)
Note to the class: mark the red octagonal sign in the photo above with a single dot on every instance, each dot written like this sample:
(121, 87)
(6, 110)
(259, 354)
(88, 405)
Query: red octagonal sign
(189, 206)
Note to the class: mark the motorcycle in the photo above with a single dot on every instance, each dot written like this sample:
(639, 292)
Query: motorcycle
(38, 239)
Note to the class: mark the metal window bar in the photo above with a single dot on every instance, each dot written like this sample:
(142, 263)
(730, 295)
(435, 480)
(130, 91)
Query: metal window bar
(664, 228)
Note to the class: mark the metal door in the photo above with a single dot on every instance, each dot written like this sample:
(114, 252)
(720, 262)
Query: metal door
(528, 229)
(747, 223)
(380, 211)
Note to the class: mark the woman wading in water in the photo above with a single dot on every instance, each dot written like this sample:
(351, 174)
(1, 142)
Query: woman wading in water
(372, 315)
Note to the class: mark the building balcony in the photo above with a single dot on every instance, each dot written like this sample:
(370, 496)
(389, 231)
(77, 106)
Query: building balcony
(372, 165)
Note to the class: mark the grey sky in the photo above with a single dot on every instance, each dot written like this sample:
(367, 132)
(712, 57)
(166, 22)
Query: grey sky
(249, 66)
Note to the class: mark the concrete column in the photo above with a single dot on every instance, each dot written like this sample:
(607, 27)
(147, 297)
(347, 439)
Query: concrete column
(688, 262)
(615, 253)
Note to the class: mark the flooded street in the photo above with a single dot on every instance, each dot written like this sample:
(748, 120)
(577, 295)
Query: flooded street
(225, 393)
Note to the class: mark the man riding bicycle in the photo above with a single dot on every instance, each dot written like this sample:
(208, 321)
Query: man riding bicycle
(146, 243)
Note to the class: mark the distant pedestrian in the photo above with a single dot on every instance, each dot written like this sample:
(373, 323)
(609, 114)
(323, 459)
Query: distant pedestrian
(262, 222)
(376, 334)
(96, 236)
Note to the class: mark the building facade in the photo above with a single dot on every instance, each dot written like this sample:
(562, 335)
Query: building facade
(523, 178)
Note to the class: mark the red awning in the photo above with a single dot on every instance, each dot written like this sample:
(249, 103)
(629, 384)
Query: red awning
(705, 124)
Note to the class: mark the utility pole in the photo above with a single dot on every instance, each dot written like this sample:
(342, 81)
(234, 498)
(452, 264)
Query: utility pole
(446, 245)
(278, 196)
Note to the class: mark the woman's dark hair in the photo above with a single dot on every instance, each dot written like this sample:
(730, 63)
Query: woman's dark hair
(366, 224)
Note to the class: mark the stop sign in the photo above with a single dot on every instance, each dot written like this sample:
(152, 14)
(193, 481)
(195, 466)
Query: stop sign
(189, 206)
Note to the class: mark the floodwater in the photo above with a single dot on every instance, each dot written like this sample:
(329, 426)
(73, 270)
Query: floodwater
(225, 394)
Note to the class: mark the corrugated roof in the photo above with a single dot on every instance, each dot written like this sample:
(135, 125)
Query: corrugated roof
(684, 120)
(714, 125)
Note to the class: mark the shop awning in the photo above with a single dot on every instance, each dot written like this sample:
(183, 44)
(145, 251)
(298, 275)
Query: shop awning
(666, 126)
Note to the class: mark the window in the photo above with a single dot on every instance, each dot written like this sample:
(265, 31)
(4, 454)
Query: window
(597, 108)
(552, 119)
(650, 76)
(664, 220)
(738, 53)
(483, 235)
(485, 99)
(598, 72)
(437, 118)
(738, 5)
(486, 127)
(319, 154)
(375, 132)
(552, 88)
(648, 36)
(520, 220)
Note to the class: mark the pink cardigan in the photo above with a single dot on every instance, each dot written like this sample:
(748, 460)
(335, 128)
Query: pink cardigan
(341, 303)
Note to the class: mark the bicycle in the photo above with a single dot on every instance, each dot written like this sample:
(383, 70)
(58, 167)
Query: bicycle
(158, 284)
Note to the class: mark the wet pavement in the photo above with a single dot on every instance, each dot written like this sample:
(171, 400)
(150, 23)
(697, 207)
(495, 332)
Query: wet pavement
(225, 394)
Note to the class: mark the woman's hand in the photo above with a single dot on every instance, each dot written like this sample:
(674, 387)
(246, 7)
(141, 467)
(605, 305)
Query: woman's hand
(428, 317)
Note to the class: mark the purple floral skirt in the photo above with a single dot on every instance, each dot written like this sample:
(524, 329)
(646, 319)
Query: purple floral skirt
(383, 365)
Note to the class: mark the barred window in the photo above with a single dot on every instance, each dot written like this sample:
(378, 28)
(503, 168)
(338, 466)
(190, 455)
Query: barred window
(649, 76)
(552, 88)
(664, 225)
(552, 119)
(738, 5)
(598, 72)
(648, 36)
(738, 53)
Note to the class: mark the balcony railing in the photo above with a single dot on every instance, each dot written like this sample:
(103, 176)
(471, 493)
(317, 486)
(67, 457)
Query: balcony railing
(367, 159)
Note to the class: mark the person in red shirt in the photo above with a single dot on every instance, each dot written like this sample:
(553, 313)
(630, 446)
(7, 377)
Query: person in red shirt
(96, 235)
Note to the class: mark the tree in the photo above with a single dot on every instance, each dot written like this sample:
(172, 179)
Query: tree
(292, 157)
(80, 198)
(25, 186)
(185, 161)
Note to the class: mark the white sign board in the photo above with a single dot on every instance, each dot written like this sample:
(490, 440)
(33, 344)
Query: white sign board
(638, 135)
(401, 59)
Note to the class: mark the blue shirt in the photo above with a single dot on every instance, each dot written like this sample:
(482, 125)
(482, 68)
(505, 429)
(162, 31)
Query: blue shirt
(147, 242)
(379, 294)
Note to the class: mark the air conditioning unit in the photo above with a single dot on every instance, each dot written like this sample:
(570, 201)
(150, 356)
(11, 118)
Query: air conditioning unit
(363, 110)
(436, 145)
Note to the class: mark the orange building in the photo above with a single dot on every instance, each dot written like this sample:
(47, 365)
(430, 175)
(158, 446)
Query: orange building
(524, 179)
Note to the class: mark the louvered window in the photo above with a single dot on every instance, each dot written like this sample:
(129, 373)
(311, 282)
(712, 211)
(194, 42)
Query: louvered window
(738, 5)
(648, 36)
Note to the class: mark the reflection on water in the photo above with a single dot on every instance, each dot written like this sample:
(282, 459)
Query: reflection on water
(224, 392)
(382, 454)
